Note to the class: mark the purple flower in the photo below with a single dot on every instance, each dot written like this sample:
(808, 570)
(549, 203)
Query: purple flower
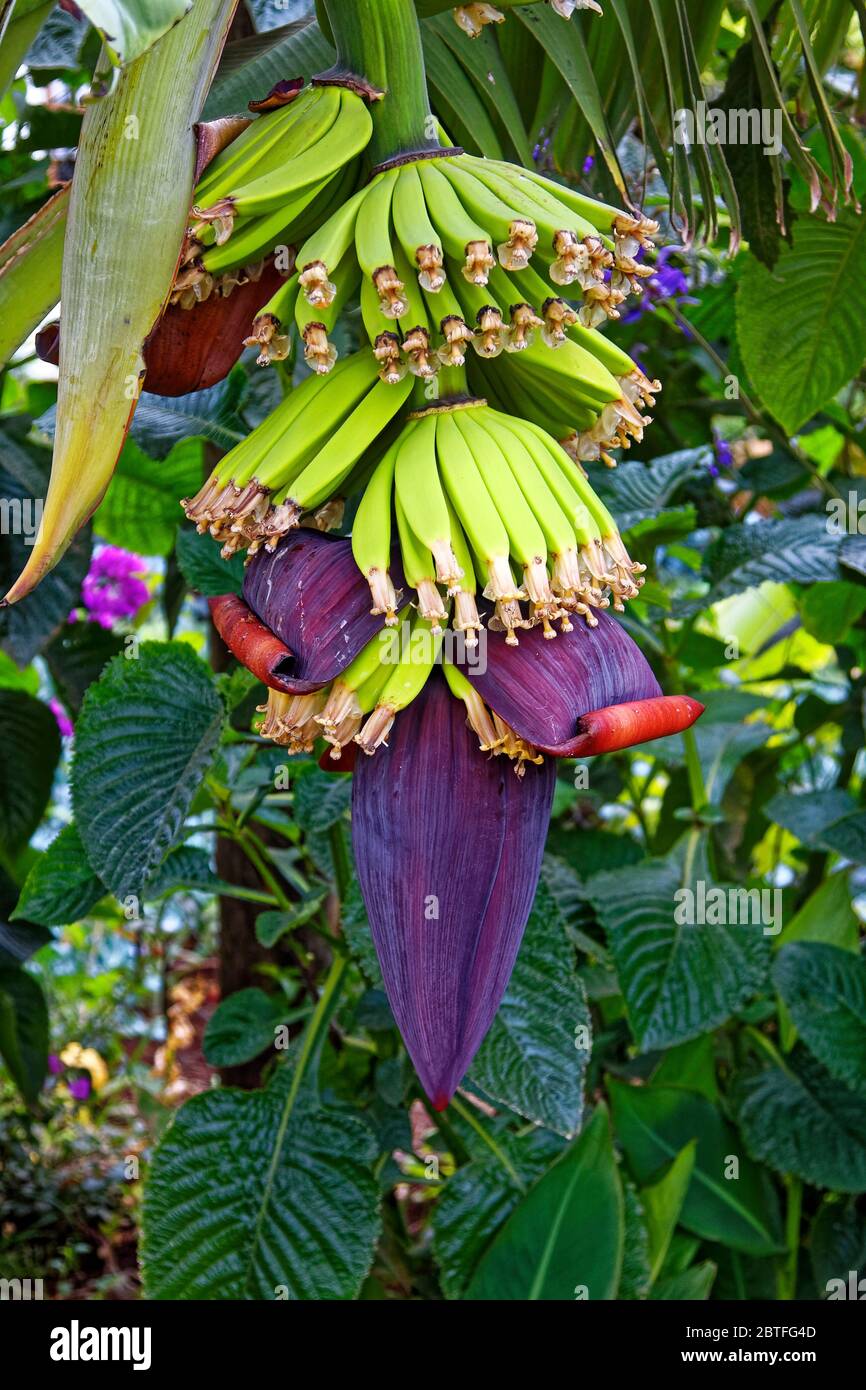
(79, 1089)
(114, 587)
(589, 164)
(448, 841)
(64, 723)
(724, 453)
(55, 1066)
(667, 282)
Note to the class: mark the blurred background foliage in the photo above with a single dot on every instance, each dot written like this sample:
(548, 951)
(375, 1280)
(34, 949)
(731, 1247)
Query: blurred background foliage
(146, 956)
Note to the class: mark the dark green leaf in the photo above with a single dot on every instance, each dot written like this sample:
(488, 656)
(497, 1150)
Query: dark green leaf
(728, 1199)
(77, 657)
(257, 1195)
(141, 508)
(203, 567)
(146, 735)
(242, 1027)
(802, 329)
(564, 1239)
(23, 1031)
(29, 753)
(802, 1121)
(822, 820)
(61, 887)
(824, 989)
(536, 1052)
(679, 978)
(270, 926)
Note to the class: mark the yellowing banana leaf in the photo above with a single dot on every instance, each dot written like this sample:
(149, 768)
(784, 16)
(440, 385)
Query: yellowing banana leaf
(128, 211)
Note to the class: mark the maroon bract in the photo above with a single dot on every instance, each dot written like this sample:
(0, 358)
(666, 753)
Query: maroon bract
(448, 849)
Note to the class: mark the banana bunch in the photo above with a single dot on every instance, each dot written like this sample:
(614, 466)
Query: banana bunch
(297, 459)
(361, 705)
(386, 676)
(453, 252)
(485, 501)
(290, 169)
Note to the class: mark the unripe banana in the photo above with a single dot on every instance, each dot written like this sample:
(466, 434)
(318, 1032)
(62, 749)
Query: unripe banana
(371, 536)
(463, 238)
(515, 236)
(527, 542)
(420, 570)
(374, 247)
(415, 231)
(403, 685)
(419, 491)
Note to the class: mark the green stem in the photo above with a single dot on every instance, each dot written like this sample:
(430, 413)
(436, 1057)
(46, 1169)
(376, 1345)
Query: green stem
(380, 40)
(468, 1115)
(787, 1278)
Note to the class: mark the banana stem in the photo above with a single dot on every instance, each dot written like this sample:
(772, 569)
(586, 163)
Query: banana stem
(380, 40)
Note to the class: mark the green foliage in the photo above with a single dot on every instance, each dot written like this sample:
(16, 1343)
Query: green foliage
(146, 736)
(298, 1211)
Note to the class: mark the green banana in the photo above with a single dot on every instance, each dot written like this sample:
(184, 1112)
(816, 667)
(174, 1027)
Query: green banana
(419, 568)
(321, 254)
(270, 328)
(374, 247)
(405, 683)
(527, 543)
(314, 325)
(415, 232)
(419, 492)
(480, 520)
(515, 235)
(371, 536)
(462, 237)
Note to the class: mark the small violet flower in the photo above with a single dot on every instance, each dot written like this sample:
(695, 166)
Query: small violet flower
(668, 282)
(114, 587)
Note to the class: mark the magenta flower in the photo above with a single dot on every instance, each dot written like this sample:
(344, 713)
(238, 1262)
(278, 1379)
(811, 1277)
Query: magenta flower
(64, 723)
(114, 587)
(79, 1088)
(448, 842)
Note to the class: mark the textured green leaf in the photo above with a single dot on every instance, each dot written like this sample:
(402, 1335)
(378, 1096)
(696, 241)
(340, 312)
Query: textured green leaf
(183, 868)
(822, 820)
(565, 1237)
(242, 1027)
(745, 557)
(161, 421)
(479, 1198)
(826, 916)
(636, 492)
(804, 1122)
(270, 926)
(256, 1195)
(678, 980)
(23, 1031)
(321, 799)
(635, 1277)
(141, 507)
(535, 1055)
(838, 1244)
(824, 989)
(145, 738)
(655, 1123)
(29, 752)
(61, 887)
(203, 567)
(802, 328)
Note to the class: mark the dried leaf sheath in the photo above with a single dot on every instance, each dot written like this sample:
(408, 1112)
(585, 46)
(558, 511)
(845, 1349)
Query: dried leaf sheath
(127, 214)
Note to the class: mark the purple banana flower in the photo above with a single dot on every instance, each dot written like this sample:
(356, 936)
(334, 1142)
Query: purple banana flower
(448, 842)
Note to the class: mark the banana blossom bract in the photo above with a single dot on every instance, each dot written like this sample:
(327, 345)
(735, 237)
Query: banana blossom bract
(448, 842)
